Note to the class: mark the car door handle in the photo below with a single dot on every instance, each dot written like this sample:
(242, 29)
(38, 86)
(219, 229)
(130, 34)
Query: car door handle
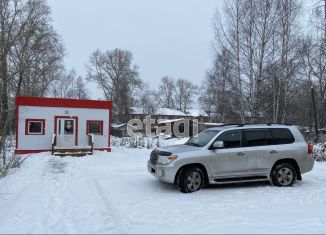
(273, 151)
(240, 154)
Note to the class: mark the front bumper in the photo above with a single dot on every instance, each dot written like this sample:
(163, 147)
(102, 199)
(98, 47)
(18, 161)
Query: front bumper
(165, 173)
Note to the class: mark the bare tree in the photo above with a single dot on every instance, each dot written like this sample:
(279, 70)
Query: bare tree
(318, 19)
(36, 58)
(185, 91)
(260, 40)
(115, 73)
(207, 99)
(13, 20)
(80, 90)
(220, 92)
(30, 55)
(146, 99)
(317, 57)
(165, 94)
(289, 34)
(69, 86)
(229, 38)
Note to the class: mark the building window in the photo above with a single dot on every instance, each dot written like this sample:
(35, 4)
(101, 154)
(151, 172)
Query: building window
(94, 127)
(68, 127)
(35, 127)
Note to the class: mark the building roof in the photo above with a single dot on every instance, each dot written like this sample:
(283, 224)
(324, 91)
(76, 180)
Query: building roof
(170, 120)
(122, 126)
(159, 111)
(64, 103)
(171, 112)
(197, 112)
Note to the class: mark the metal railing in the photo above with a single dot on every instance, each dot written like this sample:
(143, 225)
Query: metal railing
(54, 141)
(91, 142)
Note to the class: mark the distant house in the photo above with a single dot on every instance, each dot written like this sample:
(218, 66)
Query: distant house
(198, 114)
(160, 113)
(168, 114)
(162, 116)
(121, 130)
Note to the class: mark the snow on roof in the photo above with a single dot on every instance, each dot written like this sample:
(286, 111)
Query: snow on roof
(171, 112)
(159, 111)
(170, 120)
(197, 112)
(136, 110)
(116, 126)
(167, 111)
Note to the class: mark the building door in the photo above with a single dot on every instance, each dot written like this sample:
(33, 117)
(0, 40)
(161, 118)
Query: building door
(66, 132)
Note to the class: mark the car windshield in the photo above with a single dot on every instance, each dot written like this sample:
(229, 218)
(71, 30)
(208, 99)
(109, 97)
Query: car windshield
(202, 138)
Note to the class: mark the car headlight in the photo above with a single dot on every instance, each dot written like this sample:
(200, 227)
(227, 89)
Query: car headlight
(164, 160)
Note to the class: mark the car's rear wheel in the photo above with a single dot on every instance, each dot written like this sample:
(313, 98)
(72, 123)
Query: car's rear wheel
(284, 175)
(191, 180)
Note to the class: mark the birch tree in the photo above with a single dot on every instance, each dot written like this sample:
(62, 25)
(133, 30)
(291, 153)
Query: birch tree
(228, 38)
(261, 40)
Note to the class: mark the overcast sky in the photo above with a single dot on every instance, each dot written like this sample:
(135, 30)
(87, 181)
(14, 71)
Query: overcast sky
(166, 37)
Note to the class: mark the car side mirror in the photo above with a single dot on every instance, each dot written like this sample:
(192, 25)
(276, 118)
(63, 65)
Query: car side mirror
(218, 145)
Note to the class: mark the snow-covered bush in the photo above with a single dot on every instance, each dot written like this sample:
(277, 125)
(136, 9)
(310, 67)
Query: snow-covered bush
(12, 163)
(136, 142)
(320, 152)
(9, 160)
(145, 142)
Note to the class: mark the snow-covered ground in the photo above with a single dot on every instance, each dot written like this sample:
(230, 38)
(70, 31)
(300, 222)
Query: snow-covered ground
(114, 193)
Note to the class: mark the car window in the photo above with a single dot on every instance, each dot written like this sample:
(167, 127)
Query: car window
(231, 139)
(202, 138)
(282, 136)
(257, 138)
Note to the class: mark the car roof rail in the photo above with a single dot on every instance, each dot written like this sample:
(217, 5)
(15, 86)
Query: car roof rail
(247, 124)
(275, 123)
(230, 124)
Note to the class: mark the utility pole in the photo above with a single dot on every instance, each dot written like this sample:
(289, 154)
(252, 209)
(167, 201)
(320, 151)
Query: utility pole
(315, 113)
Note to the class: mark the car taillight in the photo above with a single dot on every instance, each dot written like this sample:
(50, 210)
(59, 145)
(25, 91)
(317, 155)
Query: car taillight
(310, 148)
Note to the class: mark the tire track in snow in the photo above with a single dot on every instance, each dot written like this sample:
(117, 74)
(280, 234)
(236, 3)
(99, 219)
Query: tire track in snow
(55, 186)
(8, 208)
(110, 209)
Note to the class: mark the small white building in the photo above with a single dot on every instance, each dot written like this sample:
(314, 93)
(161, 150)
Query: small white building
(42, 123)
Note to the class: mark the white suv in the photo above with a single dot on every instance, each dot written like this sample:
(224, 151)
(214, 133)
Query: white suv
(234, 153)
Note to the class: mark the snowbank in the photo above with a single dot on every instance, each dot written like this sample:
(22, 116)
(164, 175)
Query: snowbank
(145, 142)
(320, 152)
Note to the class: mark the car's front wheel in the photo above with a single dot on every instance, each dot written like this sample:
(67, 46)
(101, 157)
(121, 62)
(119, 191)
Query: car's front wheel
(284, 175)
(191, 180)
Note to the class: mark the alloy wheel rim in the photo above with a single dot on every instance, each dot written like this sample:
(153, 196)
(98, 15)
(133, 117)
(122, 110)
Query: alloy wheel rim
(285, 176)
(194, 181)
